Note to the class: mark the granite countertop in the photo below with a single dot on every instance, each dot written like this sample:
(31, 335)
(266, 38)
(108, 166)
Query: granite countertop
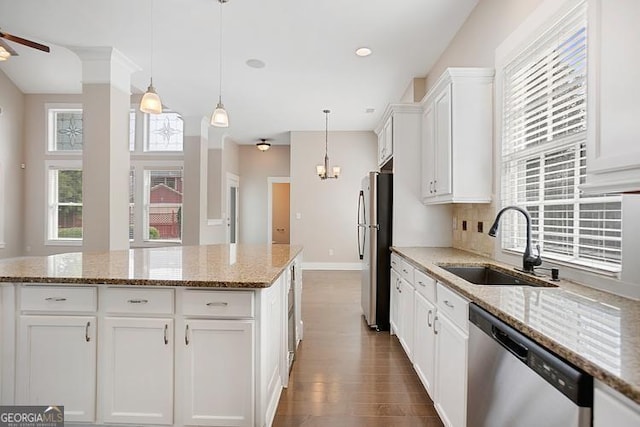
(217, 266)
(597, 331)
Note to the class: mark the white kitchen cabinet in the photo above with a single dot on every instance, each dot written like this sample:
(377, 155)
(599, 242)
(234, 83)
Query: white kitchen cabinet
(610, 408)
(394, 297)
(385, 142)
(137, 370)
(457, 138)
(218, 372)
(613, 152)
(451, 372)
(56, 363)
(405, 316)
(424, 348)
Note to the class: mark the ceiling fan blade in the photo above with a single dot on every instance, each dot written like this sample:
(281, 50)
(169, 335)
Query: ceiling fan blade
(8, 48)
(25, 42)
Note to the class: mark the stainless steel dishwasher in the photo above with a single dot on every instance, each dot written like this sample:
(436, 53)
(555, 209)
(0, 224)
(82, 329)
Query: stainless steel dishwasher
(515, 382)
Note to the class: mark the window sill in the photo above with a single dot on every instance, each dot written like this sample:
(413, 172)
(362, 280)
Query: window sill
(611, 272)
(60, 242)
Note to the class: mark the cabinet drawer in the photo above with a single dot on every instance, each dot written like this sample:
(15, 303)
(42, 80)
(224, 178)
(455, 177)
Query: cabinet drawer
(425, 285)
(405, 270)
(218, 303)
(395, 262)
(58, 298)
(135, 300)
(454, 306)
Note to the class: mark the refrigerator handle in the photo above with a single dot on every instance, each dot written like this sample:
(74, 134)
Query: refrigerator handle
(361, 208)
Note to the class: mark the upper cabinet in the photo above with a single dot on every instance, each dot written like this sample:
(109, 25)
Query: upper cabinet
(613, 141)
(457, 134)
(385, 142)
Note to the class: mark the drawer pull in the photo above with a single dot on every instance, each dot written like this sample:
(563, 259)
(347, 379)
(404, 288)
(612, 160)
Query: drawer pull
(186, 335)
(405, 271)
(435, 330)
(87, 338)
(421, 283)
(217, 304)
(429, 314)
(55, 299)
(138, 301)
(448, 304)
(166, 338)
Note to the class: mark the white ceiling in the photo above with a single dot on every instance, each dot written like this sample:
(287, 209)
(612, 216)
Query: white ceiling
(308, 47)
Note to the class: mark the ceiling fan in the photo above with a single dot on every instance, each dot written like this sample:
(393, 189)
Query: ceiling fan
(10, 51)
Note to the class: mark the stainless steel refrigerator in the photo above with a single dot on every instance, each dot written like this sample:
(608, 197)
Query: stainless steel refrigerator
(374, 240)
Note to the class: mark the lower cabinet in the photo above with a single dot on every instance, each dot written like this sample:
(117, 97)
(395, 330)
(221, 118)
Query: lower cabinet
(610, 408)
(405, 316)
(56, 363)
(451, 372)
(394, 297)
(217, 372)
(424, 348)
(138, 370)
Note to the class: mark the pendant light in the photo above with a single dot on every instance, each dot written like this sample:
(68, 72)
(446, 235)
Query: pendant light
(150, 102)
(4, 54)
(323, 169)
(220, 118)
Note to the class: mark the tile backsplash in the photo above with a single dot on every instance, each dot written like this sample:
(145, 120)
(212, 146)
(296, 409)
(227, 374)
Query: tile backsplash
(476, 217)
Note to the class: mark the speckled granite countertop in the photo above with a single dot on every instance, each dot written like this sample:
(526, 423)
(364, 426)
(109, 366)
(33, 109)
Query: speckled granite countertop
(597, 331)
(218, 266)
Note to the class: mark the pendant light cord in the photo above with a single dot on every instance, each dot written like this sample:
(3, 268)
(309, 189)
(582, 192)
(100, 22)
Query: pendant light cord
(220, 74)
(151, 71)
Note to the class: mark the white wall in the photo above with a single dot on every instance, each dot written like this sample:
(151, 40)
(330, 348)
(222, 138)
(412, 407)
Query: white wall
(255, 167)
(328, 209)
(11, 176)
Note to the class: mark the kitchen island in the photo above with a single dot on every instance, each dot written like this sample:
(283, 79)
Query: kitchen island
(185, 335)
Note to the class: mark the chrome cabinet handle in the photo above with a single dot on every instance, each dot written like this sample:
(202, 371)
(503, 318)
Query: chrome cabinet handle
(87, 338)
(448, 304)
(435, 186)
(217, 304)
(186, 335)
(55, 299)
(435, 330)
(138, 301)
(405, 271)
(429, 314)
(431, 187)
(166, 338)
(421, 283)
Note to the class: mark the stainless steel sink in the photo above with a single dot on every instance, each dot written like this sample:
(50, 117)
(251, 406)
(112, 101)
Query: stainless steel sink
(484, 275)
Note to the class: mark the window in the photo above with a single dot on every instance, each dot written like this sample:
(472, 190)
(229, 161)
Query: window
(65, 129)
(165, 132)
(163, 207)
(65, 202)
(544, 152)
(132, 129)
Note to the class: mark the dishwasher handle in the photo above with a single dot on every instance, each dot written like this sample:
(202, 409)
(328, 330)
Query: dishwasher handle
(519, 350)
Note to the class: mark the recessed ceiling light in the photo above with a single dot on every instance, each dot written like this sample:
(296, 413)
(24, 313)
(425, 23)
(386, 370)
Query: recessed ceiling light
(255, 63)
(363, 51)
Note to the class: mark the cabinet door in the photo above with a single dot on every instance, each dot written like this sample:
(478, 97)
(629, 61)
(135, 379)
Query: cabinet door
(138, 370)
(442, 132)
(218, 372)
(56, 364)
(451, 375)
(394, 300)
(385, 142)
(424, 343)
(612, 409)
(405, 317)
(613, 162)
(428, 152)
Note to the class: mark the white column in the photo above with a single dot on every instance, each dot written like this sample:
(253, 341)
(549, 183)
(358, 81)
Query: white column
(106, 88)
(194, 204)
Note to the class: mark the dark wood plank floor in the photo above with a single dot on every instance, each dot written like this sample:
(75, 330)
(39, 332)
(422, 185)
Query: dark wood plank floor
(346, 374)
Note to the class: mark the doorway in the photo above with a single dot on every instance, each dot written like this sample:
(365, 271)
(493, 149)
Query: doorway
(279, 218)
(233, 186)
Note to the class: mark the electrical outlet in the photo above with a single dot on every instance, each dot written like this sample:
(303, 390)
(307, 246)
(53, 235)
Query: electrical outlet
(298, 215)
(330, 252)
(455, 223)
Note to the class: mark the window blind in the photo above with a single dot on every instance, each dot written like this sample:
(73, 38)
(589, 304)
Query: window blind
(544, 152)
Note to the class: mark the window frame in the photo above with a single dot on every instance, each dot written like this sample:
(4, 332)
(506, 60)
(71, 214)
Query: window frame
(51, 204)
(50, 110)
(544, 18)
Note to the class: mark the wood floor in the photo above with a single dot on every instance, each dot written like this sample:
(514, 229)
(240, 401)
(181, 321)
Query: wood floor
(345, 374)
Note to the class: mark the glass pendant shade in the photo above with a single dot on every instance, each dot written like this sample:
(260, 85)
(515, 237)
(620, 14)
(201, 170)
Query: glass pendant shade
(4, 54)
(321, 170)
(263, 145)
(219, 118)
(150, 102)
(336, 171)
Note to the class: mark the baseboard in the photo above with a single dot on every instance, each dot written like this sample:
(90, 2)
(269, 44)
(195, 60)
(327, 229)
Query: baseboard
(331, 266)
